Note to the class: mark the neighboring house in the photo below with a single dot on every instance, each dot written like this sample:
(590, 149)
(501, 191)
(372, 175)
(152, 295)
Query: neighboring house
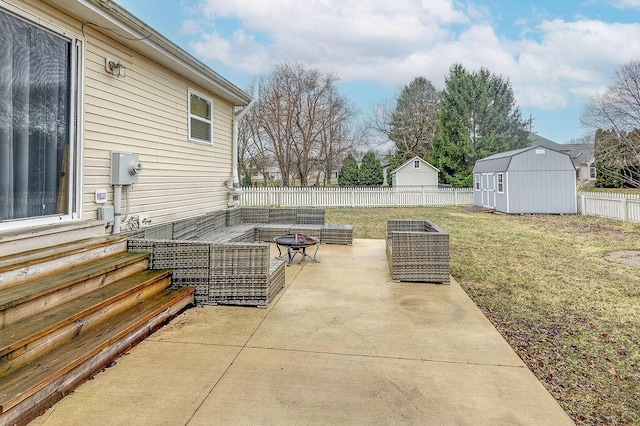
(82, 79)
(415, 172)
(529, 180)
(582, 156)
(272, 173)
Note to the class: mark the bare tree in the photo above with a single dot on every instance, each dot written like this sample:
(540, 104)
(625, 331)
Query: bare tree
(616, 113)
(299, 123)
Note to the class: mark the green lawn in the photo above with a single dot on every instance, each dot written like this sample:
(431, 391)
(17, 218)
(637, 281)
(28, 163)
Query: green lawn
(571, 315)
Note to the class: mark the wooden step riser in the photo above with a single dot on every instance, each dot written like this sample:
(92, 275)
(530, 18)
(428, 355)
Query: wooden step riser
(34, 240)
(23, 310)
(23, 273)
(51, 339)
(29, 406)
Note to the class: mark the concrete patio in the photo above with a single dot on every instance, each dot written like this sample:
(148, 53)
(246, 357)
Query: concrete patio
(341, 344)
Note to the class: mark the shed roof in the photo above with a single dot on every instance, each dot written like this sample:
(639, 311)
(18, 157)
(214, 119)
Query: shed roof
(498, 162)
(112, 19)
(411, 161)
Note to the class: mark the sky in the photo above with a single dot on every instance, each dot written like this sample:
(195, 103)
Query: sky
(556, 53)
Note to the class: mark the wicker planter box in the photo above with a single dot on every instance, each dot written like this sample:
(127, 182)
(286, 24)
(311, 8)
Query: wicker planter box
(417, 251)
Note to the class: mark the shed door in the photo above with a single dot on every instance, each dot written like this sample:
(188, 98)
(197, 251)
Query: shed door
(488, 185)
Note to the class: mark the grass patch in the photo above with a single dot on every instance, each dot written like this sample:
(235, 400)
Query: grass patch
(612, 190)
(572, 316)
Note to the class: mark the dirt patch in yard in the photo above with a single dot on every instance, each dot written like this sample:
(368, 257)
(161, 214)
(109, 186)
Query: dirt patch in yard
(626, 257)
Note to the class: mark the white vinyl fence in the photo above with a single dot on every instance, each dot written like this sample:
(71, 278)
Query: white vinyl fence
(355, 197)
(609, 205)
(614, 206)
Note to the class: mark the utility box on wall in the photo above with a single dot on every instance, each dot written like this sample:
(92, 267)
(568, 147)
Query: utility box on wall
(125, 168)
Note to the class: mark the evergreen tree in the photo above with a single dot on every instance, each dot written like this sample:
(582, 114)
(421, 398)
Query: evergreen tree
(348, 175)
(370, 171)
(478, 117)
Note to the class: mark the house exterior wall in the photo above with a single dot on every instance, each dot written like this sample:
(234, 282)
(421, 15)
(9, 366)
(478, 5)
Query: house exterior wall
(584, 173)
(144, 113)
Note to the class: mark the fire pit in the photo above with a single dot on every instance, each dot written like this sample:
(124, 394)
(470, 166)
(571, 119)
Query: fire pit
(296, 243)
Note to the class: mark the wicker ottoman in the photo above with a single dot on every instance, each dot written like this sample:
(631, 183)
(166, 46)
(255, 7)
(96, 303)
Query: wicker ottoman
(336, 234)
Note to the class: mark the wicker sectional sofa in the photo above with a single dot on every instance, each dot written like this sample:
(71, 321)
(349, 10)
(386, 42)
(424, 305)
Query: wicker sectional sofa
(225, 255)
(418, 251)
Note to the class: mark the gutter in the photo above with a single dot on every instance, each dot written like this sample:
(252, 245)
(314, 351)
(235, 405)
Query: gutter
(235, 189)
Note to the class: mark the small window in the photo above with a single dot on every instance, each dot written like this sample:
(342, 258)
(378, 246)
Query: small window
(477, 184)
(416, 164)
(592, 171)
(500, 178)
(200, 118)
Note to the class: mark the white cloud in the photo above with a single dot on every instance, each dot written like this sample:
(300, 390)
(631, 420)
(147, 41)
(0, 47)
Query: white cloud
(240, 51)
(551, 65)
(626, 4)
(572, 60)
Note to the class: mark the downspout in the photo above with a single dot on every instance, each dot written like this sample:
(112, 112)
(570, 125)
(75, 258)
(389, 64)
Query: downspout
(235, 190)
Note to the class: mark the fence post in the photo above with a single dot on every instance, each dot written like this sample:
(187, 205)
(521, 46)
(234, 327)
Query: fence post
(455, 197)
(624, 209)
(583, 205)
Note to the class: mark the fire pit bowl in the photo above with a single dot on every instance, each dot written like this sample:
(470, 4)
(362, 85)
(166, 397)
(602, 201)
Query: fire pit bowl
(296, 243)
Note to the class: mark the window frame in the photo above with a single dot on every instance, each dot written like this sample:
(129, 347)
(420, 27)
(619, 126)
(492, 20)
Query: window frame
(74, 208)
(593, 173)
(477, 181)
(500, 183)
(198, 118)
(416, 164)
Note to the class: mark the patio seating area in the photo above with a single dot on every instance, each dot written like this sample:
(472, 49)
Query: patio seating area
(225, 254)
(341, 344)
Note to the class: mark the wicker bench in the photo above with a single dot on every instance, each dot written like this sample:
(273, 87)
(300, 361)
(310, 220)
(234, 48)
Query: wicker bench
(417, 251)
(225, 254)
(222, 273)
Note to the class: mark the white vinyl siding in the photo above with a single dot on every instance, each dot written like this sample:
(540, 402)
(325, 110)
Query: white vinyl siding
(145, 113)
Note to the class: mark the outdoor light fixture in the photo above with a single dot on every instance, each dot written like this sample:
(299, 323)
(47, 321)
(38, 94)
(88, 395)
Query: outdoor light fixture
(114, 67)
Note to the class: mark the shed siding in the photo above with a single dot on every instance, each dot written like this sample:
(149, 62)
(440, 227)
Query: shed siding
(535, 181)
(536, 192)
(417, 178)
(406, 175)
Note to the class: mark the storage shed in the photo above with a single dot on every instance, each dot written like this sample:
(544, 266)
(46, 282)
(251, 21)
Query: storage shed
(415, 172)
(530, 180)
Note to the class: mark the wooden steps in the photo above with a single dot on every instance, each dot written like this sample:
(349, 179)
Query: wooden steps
(67, 311)
(21, 301)
(39, 237)
(20, 267)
